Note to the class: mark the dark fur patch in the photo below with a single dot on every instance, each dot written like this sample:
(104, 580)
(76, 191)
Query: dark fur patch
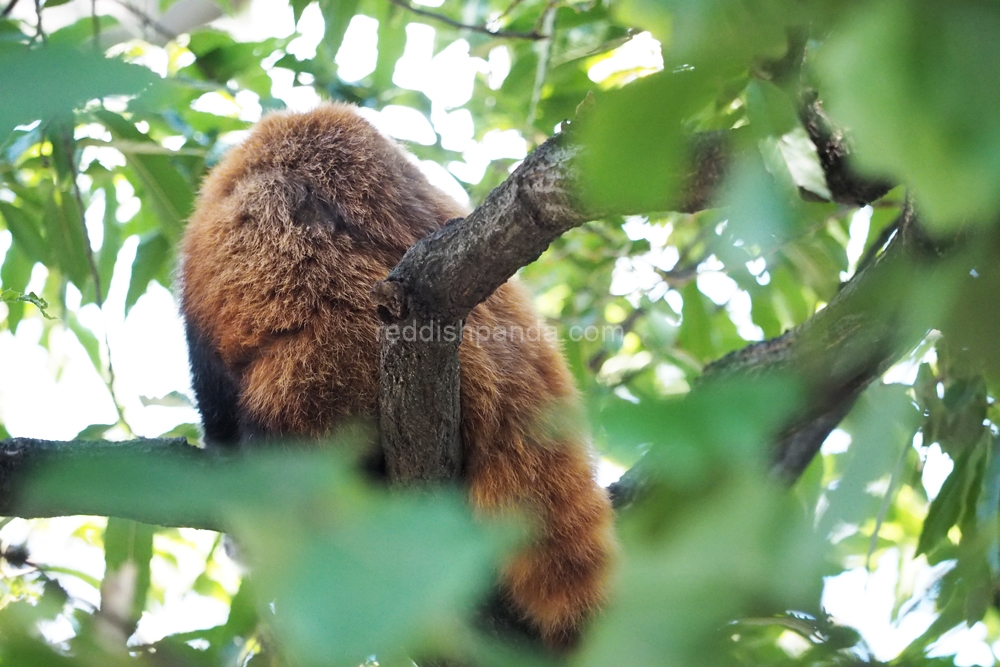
(215, 390)
(313, 210)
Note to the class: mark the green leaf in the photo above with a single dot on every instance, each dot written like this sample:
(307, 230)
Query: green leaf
(338, 15)
(636, 144)
(355, 572)
(881, 424)
(707, 585)
(88, 340)
(242, 611)
(112, 241)
(167, 190)
(789, 301)
(12, 297)
(64, 234)
(130, 542)
(26, 232)
(14, 276)
(695, 334)
(220, 58)
(151, 258)
(763, 311)
(299, 6)
(391, 43)
(771, 112)
(719, 37)
(915, 82)
(758, 212)
(721, 424)
(398, 569)
(94, 432)
(80, 33)
(971, 326)
(949, 505)
(988, 508)
(41, 82)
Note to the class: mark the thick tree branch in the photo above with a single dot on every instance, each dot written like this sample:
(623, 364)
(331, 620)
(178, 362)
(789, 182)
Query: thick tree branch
(444, 276)
(834, 151)
(20, 458)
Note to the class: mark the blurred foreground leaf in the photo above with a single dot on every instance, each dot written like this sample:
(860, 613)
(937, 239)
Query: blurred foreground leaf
(713, 539)
(348, 571)
(916, 83)
(38, 83)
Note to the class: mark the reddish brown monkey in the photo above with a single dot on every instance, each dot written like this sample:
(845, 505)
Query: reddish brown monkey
(292, 229)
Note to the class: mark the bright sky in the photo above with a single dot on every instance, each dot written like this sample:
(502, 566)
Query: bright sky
(55, 395)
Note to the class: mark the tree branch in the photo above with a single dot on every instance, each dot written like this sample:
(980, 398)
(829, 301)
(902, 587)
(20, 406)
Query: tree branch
(8, 9)
(846, 186)
(20, 458)
(445, 275)
(837, 353)
(534, 35)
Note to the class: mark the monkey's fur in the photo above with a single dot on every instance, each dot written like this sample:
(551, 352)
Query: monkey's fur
(292, 229)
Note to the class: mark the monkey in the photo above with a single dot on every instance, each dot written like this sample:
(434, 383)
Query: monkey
(291, 230)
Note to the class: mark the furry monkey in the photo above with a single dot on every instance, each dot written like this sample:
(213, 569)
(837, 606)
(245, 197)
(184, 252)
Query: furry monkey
(292, 229)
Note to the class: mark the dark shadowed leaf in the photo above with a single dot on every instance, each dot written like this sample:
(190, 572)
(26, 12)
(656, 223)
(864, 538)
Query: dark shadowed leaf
(915, 82)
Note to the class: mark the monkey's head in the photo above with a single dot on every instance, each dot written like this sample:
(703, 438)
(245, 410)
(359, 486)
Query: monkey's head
(295, 225)
(330, 166)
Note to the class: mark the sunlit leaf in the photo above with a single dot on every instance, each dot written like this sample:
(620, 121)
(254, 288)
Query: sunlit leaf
(130, 542)
(14, 276)
(70, 76)
(168, 192)
(150, 261)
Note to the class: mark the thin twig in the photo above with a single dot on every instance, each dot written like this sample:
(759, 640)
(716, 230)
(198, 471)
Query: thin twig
(39, 32)
(678, 277)
(546, 23)
(95, 24)
(503, 34)
(147, 20)
(511, 7)
(8, 9)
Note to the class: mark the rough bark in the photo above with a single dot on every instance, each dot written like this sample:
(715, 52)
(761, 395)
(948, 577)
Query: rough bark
(834, 151)
(444, 276)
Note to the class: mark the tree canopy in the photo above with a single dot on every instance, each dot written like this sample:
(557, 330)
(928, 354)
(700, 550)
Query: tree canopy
(769, 253)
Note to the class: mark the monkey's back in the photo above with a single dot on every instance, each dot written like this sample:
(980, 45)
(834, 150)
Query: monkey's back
(292, 229)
